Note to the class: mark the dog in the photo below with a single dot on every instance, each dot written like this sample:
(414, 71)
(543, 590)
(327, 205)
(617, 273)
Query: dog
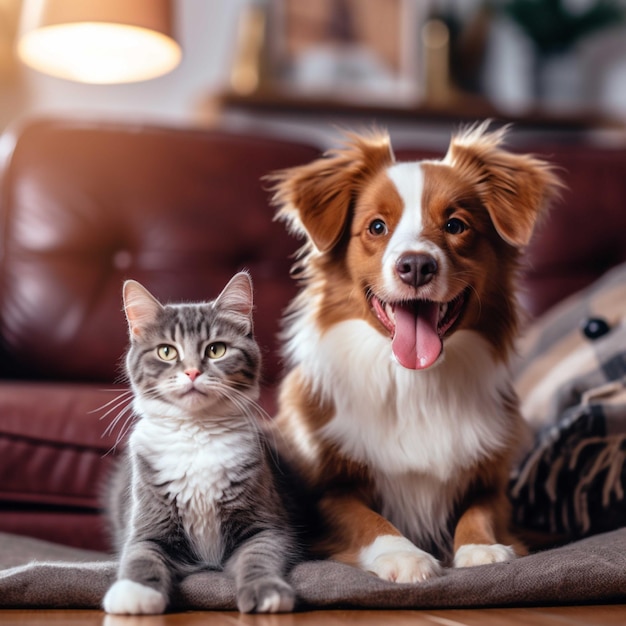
(397, 410)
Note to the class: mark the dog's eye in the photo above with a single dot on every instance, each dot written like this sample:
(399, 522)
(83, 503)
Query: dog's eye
(455, 226)
(378, 228)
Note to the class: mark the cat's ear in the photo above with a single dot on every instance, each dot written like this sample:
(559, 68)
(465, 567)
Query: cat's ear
(237, 297)
(140, 306)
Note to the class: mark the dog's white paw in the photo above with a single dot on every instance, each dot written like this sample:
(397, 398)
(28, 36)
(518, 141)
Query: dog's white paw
(482, 554)
(396, 559)
(126, 597)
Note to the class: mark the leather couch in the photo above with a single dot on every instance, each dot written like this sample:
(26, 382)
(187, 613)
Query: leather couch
(84, 205)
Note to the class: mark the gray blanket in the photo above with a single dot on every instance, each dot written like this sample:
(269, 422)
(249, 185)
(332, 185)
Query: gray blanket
(37, 574)
(569, 408)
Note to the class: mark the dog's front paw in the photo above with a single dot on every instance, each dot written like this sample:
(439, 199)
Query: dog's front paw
(396, 559)
(482, 554)
(266, 595)
(126, 597)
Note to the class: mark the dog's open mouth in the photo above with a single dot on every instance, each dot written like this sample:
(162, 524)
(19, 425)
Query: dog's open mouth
(417, 327)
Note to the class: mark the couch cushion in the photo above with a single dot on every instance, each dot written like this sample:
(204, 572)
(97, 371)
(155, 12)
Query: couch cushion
(52, 445)
(70, 527)
(84, 206)
(54, 458)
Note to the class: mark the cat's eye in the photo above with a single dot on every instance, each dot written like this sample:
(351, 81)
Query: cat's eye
(377, 228)
(216, 350)
(167, 353)
(455, 226)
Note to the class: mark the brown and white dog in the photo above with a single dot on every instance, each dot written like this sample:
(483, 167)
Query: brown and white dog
(397, 409)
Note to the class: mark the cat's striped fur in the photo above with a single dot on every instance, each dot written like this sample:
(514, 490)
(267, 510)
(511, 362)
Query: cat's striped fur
(196, 489)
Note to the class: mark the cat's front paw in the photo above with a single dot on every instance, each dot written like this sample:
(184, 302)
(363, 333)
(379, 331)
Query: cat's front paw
(473, 554)
(266, 595)
(126, 597)
(397, 560)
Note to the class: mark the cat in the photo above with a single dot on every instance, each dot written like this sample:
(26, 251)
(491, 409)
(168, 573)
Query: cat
(195, 489)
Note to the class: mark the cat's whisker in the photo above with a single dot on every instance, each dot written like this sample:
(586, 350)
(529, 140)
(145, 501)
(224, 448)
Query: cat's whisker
(129, 417)
(246, 407)
(247, 401)
(126, 393)
(122, 407)
(120, 402)
(124, 430)
(237, 397)
(118, 416)
(158, 391)
(245, 404)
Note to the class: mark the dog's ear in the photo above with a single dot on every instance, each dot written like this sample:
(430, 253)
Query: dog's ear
(315, 199)
(516, 189)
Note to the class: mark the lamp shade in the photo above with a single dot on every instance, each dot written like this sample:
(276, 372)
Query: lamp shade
(98, 41)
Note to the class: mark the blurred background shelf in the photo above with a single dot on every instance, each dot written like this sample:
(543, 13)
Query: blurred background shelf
(465, 108)
(415, 66)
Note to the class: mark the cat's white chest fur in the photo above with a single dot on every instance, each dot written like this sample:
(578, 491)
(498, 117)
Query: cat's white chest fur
(193, 467)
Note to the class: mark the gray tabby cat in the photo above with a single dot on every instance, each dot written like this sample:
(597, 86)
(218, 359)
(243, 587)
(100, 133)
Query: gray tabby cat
(195, 489)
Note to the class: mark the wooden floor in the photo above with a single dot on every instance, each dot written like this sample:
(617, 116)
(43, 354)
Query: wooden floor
(548, 616)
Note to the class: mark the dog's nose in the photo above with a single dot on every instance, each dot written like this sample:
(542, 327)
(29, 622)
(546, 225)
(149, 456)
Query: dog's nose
(416, 269)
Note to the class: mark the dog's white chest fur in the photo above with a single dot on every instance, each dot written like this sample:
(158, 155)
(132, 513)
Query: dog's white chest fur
(418, 431)
(195, 467)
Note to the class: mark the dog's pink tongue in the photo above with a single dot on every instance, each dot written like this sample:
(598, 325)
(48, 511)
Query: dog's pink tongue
(416, 343)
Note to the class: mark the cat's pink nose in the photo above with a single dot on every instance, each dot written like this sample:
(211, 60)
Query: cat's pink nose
(193, 374)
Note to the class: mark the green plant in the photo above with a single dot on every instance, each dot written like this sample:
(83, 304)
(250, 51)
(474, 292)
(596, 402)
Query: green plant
(554, 28)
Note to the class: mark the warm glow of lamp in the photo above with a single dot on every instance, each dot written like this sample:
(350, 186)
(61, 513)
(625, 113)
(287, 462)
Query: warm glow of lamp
(98, 41)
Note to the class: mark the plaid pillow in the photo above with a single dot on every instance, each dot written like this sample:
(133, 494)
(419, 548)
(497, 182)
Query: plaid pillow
(571, 379)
